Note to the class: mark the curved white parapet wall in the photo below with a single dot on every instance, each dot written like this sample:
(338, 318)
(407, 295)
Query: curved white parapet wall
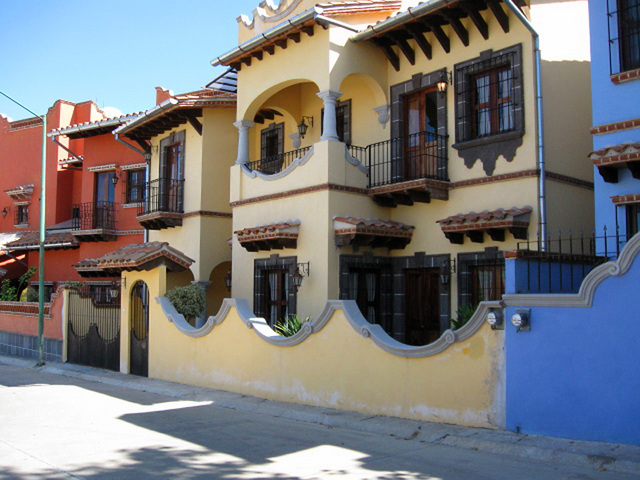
(584, 297)
(352, 314)
(283, 173)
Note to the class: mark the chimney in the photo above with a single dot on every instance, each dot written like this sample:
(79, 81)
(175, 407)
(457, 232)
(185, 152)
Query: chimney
(162, 94)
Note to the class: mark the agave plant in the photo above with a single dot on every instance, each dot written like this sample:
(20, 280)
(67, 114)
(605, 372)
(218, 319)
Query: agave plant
(290, 325)
(465, 312)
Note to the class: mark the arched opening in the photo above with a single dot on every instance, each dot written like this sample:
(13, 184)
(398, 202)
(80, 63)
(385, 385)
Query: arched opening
(139, 334)
(362, 110)
(217, 290)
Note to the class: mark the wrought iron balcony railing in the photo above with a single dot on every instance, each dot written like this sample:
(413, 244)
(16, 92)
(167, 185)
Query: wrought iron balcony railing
(163, 195)
(276, 163)
(410, 157)
(94, 216)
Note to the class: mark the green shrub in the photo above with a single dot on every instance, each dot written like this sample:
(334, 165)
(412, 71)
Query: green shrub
(465, 312)
(290, 325)
(189, 300)
(32, 295)
(8, 292)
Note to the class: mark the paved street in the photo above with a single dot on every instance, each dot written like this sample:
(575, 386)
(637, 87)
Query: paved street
(58, 427)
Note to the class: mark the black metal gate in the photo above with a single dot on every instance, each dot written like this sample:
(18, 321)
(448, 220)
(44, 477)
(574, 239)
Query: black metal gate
(139, 308)
(94, 326)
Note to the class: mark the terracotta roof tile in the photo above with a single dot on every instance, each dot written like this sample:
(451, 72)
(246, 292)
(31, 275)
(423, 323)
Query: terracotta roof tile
(349, 7)
(615, 150)
(373, 232)
(266, 237)
(374, 223)
(31, 240)
(499, 218)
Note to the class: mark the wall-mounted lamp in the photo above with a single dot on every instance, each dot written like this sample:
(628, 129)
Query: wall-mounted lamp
(114, 290)
(445, 80)
(227, 280)
(302, 270)
(446, 269)
(495, 318)
(5, 210)
(522, 320)
(305, 123)
(115, 179)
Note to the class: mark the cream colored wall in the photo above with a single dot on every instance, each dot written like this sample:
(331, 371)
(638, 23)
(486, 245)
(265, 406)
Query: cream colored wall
(337, 368)
(217, 291)
(570, 209)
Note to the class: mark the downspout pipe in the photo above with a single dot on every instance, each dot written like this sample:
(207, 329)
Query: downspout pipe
(136, 149)
(54, 139)
(542, 199)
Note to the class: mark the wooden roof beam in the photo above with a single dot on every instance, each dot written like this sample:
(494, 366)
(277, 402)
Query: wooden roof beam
(257, 54)
(246, 60)
(457, 27)
(502, 17)
(281, 42)
(195, 123)
(420, 39)
(385, 45)
(404, 46)
(295, 36)
(478, 21)
(308, 30)
(270, 49)
(441, 36)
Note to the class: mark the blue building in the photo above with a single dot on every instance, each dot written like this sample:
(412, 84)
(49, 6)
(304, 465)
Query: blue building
(615, 81)
(573, 371)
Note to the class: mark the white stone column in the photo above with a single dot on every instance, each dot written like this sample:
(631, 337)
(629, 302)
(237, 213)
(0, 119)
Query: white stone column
(329, 98)
(243, 127)
(202, 319)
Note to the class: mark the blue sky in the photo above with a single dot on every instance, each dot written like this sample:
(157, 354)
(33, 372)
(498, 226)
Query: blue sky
(113, 52)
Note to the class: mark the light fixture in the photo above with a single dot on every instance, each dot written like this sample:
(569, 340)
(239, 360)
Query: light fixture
(302, 128)
(114, 290)
(495, 318)
(521, 320)
(227, 280)
(446, 269)
(302, 270)
(4, 212)
(445, 79)
(114, 179)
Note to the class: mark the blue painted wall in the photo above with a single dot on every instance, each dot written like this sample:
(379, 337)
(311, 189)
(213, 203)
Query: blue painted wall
(611, 103)
(576, 374)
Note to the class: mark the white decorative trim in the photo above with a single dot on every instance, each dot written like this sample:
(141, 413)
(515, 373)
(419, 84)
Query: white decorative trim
(21, 225)
(135, 166)
(131, 205)
(102, 168)
(281, 174)
(584, 297)
(295, 138)
(383, 114)
(352, 313)
(129, 232)
(354, 161)
(261, 12)
(21, 204)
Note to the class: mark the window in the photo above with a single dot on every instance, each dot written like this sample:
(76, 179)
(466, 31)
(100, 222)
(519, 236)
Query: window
(489, 95)
(22, 215)
(166, 194)
(624, 34)
(135, 186)
(487, 282)
(272, 148)
(274, 296)
(633, 219)
(364, 288)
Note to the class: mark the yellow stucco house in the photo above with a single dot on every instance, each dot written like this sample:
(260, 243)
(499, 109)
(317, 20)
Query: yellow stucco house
(389, 152)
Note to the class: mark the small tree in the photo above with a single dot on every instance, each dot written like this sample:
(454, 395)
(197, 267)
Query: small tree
(189, 301)
(8, 293)
(23, 281)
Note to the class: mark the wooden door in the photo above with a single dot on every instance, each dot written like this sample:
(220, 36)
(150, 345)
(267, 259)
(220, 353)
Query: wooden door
(420, 133)
(139, 338)
(422, 306)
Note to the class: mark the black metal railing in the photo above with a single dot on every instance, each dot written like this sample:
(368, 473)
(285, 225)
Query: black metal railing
(276, 163)
(94, 215)
(559, 264)
(410, 157)
(163, 195)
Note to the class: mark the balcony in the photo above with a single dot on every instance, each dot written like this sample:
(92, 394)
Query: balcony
(276, 163)
(163, 206)
(407, 169)
(94, 221)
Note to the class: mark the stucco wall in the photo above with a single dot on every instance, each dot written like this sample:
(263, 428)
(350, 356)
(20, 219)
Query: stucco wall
(575, 374)
(340, 361)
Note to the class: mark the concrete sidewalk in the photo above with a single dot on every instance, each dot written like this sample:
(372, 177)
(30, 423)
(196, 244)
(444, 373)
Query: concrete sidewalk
(593, 455)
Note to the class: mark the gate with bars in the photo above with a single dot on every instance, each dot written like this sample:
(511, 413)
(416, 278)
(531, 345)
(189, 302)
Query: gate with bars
(94, 326)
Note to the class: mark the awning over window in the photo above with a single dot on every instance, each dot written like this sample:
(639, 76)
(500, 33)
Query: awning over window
(610, 159)
(372, 232)
(275, 236)
(21, 192)
(495, 223)
(135, 257)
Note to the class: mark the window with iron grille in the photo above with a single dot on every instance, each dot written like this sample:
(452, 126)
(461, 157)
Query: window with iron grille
(489, 95)
(274, 296)
(481, 276)
(22, 215)
(135, 186)
(624, 34)
(633, 219)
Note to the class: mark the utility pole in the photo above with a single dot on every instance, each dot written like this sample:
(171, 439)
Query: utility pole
(43, 204)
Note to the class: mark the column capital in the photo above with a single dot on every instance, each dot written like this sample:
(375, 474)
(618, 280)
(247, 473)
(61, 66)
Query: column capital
(329, 95)
(243, 124)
